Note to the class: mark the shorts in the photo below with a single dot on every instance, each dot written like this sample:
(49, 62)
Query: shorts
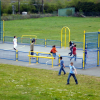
(54, 55)
(15, 46)
(32, 53)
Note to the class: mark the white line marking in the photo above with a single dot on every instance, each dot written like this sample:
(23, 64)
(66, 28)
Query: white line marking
(22, 46)
(54, 67)
(30, 64)
(13, 48)
(48, 61)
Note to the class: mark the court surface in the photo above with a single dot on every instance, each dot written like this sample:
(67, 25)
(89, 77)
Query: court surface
(26, 48)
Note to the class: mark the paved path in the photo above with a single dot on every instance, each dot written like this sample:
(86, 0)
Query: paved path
(91, 71)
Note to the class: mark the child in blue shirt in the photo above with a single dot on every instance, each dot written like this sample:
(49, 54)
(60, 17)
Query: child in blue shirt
(61, 66)
(72, 73)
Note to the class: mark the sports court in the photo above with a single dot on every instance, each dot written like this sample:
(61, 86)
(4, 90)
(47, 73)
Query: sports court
(23, 50)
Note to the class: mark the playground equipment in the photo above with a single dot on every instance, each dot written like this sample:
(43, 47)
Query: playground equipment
(65, 28)
(37, 56)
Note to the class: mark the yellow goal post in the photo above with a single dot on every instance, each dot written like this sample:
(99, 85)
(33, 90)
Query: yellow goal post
(28, 36)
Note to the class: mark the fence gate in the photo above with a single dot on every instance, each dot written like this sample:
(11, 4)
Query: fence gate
(91, 46)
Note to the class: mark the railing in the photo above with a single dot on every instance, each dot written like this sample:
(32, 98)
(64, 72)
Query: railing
(37, 56)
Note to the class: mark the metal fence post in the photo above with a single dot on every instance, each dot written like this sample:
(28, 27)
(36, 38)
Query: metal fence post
(45, 43)
(16, 55)
(84, 51)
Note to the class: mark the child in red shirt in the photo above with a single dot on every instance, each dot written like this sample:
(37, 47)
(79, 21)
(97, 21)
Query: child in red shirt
(74, 53)
(53, 50)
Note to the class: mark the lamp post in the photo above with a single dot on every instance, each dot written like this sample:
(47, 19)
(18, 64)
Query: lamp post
(19, 6)
(42, 6)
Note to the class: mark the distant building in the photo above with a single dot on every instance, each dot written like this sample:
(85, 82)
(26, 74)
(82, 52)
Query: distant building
(66, 11)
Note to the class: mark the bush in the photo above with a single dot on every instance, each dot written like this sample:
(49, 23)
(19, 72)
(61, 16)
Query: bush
(17, 17)
(88, 7)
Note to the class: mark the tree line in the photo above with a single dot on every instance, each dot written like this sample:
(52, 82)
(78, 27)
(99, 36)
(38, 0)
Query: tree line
(32, 7)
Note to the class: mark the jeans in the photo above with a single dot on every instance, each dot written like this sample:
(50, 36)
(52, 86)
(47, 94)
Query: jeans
(32, 53)
(54, 55)
(71, 52)
(74, 56)
(70, 74)
(61, 69)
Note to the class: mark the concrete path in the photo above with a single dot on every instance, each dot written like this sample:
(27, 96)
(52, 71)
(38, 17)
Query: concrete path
(91, 71)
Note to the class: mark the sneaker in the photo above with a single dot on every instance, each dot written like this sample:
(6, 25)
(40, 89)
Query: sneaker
(14, 49)
(32, 58)
(64, 73)
(67, 84)
(76, 83)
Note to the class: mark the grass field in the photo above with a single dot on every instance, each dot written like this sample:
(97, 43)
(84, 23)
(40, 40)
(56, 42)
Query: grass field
(50, 27)
(22, 83)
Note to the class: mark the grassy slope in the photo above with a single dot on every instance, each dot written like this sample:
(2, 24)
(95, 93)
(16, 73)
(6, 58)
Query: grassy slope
(50, 27)
(22, 83)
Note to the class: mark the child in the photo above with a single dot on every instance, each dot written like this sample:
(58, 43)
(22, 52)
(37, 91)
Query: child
(74, 53)
(86, 56)
(54, 51)
(15, 42)
(51, 51)
(32, 47)
(61, 66)
(34, 40)
(71, 47)
(72, 73)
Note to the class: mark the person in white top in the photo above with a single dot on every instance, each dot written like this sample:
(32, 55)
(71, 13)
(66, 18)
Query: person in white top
(15, 42)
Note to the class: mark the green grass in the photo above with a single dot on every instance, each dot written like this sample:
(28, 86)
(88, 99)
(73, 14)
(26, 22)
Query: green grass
(50, 27)
(22, 83)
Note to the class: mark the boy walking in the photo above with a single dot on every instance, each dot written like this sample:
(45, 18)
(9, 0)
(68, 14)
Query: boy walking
(61, 66)
(15, 42)
(74, 53)
(72, 73)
